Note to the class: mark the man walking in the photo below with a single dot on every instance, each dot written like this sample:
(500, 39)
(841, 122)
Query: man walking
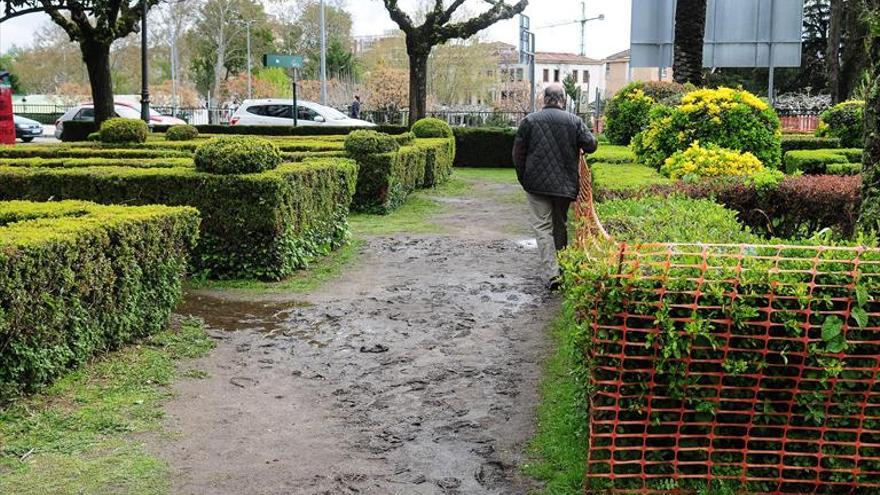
(356, 107)
(546, 153)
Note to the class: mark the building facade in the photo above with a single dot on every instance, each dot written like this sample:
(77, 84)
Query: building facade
(618, 73)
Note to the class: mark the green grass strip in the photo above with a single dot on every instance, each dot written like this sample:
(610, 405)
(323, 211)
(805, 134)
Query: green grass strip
(79, 435)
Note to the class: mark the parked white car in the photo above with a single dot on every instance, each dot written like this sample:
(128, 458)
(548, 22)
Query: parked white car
(86, 112)
(276, 111)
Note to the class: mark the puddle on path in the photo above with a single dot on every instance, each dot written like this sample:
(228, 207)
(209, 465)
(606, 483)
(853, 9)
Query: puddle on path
(231, 315)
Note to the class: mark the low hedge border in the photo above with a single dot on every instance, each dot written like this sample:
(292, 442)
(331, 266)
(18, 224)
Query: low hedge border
(79, 278)
(791, 142)
(256, 226)
(262, 130)
(817, 161)
(83, 150)
(484, 147)
(97, 162)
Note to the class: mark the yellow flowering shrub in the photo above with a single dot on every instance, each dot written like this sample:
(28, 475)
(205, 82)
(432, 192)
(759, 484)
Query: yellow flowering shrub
(710, 161)
(627, 112)
(725, 117)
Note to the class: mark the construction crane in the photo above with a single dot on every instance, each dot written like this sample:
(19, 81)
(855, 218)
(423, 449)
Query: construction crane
(583, 22)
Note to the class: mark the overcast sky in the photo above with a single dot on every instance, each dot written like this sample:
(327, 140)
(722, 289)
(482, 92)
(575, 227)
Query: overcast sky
(603, 37)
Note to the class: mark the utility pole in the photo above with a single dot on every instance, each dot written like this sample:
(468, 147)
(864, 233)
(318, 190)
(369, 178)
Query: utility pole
(323, 57)
(250, 92)
(145, 88)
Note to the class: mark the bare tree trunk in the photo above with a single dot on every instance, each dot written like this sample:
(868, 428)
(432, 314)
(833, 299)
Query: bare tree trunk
(854, 59)
(219, 68)
(832, 59)
(97, 59)
(869, 218)
(690, 27)
(418, 80)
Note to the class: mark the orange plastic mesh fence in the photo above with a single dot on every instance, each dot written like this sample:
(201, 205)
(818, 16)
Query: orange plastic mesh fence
(752, 366)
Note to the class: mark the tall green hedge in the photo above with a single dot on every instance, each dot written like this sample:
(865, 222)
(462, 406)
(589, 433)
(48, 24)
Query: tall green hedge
(484, 147)
(78, 278)
(263, 225)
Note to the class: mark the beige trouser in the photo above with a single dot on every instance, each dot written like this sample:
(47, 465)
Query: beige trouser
(550, 221)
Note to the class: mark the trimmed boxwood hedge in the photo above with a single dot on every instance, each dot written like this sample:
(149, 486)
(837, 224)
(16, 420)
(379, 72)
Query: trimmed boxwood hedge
(277, 130)
(97, 162)
(263, 226)
(237, 155)
(78, 278)
(484, 147)
(386, 179)
(817, 161)
(181, 132)
(87, 150)
(122, 131)
(791, 142)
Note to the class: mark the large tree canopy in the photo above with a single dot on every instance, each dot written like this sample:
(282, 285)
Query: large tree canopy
(95, 25)
(438, 27)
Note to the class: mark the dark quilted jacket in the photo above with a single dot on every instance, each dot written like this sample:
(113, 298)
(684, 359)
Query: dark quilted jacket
(547, 152)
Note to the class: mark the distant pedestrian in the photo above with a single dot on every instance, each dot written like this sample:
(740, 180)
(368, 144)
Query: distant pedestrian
(356, 107)
(546, 153)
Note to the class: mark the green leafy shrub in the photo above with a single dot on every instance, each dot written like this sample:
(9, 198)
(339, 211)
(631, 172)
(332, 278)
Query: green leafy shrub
(405, 139)
(844, 169)
(237, 155)
(365, 142)
(484, 147)
(812, 161)
(791, 142)
(181, 133)
(94, 137)
(710, 161)
(80, 278)
(122, 131)
(671, 219)
(432, 128)
(258, 226)
(612, 154)
(729, 118)
(628, 111)
(844, 121)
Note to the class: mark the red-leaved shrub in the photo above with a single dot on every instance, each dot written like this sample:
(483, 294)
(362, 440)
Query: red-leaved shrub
(797, 207)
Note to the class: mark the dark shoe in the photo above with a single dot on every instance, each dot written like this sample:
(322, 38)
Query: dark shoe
(554, 284)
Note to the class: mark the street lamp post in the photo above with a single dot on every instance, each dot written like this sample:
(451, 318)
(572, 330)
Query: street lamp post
(145, 88)
(323, 56)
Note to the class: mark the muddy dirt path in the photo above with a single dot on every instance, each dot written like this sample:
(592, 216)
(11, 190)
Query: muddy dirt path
(415, 372)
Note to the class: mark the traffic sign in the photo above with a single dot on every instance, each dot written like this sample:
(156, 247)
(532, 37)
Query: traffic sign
(285, 61)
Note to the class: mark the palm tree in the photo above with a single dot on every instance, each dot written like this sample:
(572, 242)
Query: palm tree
(690, 26)
(869, 220)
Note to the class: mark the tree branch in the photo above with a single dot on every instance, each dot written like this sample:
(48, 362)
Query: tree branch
(399, 16)
(499, 11)
(450, 11)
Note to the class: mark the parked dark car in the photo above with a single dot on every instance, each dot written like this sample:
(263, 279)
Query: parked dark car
(27, 129)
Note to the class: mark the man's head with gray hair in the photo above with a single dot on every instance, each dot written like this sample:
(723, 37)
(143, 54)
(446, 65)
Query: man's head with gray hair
(554, 96)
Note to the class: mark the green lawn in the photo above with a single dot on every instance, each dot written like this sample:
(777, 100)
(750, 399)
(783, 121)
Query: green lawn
(79, 436)
(620, 177)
